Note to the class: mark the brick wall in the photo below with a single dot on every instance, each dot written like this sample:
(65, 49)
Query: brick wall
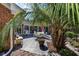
(5, 15)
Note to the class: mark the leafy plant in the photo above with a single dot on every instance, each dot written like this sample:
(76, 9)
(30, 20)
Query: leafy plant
(14, 22)
(70, 34)
(58, 17)
(66, 52)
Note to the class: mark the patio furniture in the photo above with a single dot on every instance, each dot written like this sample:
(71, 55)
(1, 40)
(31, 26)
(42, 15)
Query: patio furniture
(41, 40)
(18, 40)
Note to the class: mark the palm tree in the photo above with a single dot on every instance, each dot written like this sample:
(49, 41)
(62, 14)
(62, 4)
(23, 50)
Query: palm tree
(57, 17)
(73, 13)
(12, 24)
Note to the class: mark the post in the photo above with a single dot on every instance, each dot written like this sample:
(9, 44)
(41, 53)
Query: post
(37, 28)
(29, 29)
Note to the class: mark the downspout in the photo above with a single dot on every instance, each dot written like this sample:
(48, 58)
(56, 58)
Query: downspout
(11, 41)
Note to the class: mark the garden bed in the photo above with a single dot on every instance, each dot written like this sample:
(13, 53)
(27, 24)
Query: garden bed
(66, 52)
(74, 43)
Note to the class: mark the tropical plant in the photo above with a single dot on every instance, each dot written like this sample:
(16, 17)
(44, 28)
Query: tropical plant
(73, 13)
(66, 52)
(14, 23)
(58, 17)
(70, 34)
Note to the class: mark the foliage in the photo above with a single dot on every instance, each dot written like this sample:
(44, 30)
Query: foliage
(14, 22)
(57, 14)
(75, 43)
(72, 10)
(66, 52)
(70, 34)
(59, 17)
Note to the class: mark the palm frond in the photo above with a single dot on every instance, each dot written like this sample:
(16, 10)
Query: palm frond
(16, 21)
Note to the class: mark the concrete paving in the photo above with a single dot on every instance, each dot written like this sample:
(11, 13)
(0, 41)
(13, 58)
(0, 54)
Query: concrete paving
(30, 47)
(30, 44)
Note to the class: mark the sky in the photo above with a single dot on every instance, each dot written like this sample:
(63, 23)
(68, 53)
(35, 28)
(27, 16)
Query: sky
(24, 5)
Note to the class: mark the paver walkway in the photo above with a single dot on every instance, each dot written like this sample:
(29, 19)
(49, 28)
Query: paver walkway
(31, 48)
(20, 52)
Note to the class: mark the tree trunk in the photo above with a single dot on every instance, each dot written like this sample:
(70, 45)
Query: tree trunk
(58, 38)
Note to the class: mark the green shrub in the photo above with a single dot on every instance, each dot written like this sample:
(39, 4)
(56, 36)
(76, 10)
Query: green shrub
(70, 34)
(66, 52)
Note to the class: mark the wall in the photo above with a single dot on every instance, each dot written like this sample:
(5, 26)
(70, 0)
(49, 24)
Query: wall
(5, 15)
(13, 7)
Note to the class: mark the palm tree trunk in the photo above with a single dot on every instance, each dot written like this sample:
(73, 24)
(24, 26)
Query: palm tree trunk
(58, 39)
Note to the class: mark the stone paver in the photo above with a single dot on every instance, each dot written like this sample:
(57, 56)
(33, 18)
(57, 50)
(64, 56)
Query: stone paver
(27, 53)
(23, 53)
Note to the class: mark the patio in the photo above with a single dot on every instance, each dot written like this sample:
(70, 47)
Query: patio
(35, 26)
(31, 47)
